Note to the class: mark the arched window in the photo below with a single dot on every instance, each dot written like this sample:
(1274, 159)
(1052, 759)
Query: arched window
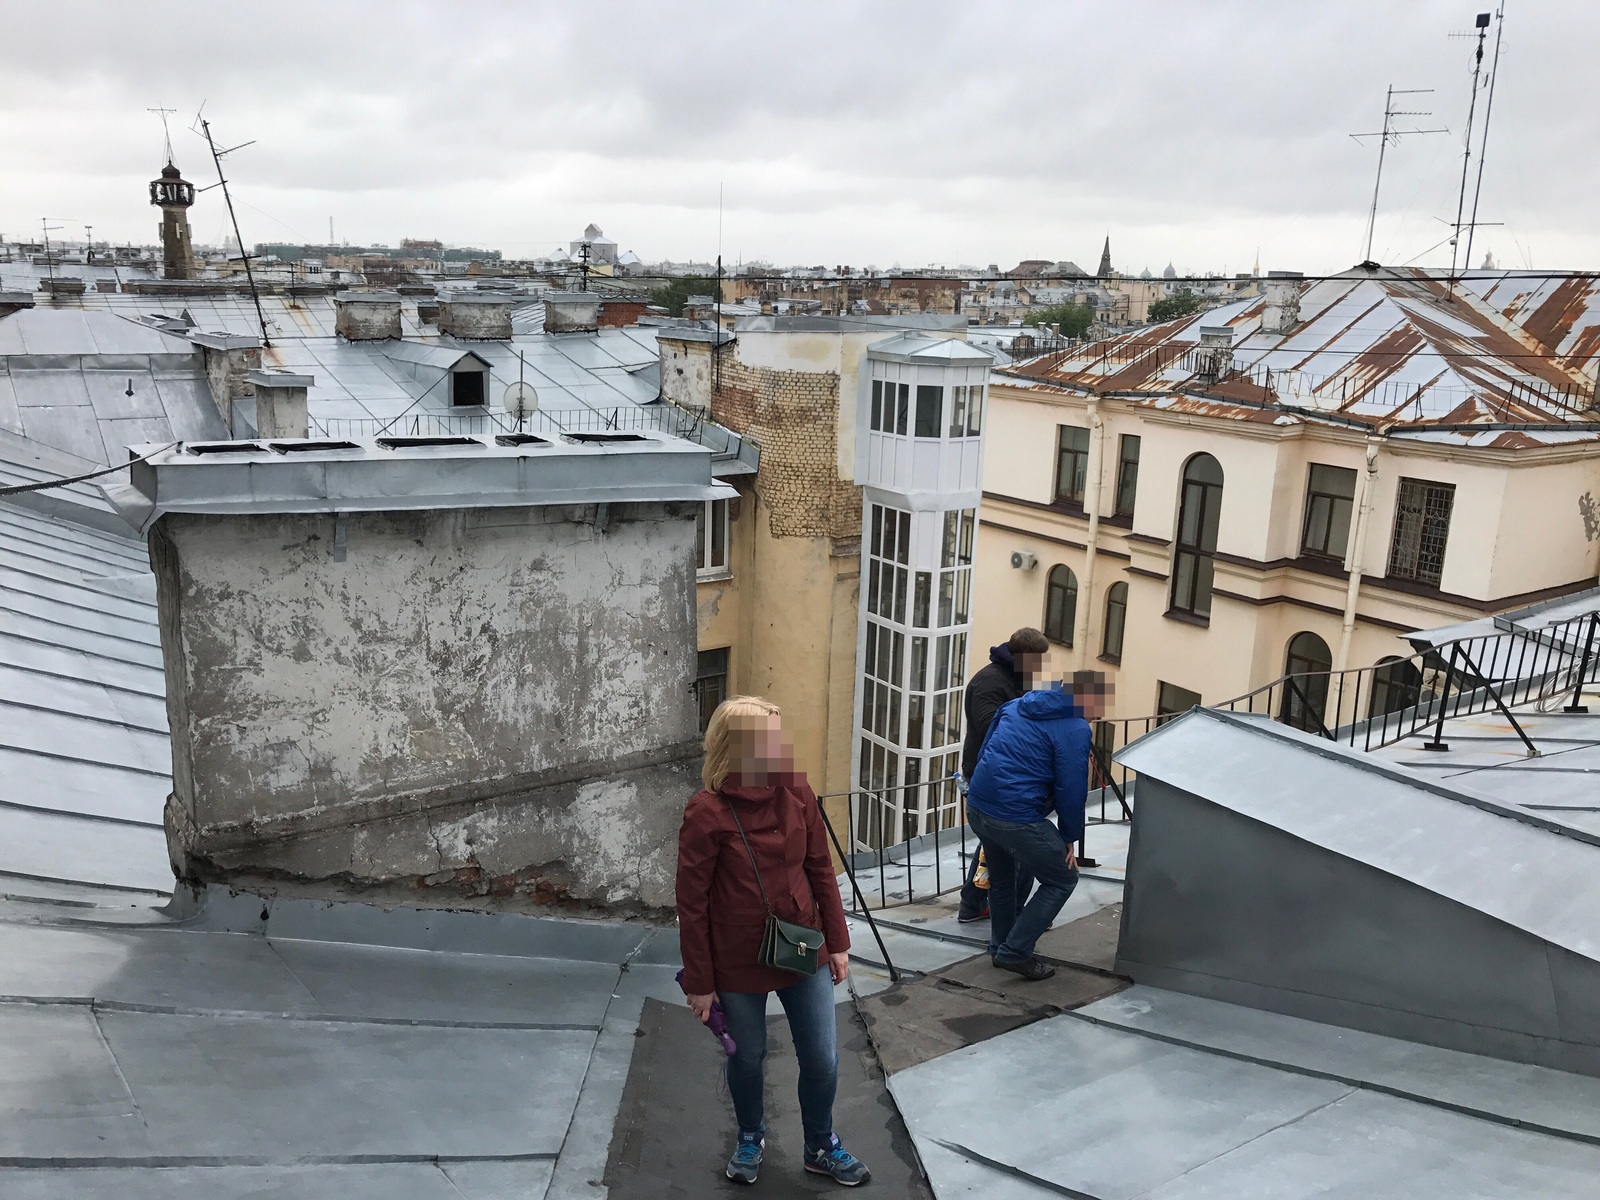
(1116, 620)
(1199, 504)
(1305, 687)
(1060, 604)
(1396, 685)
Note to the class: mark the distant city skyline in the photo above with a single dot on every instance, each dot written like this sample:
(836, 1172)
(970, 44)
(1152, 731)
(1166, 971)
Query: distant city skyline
(1200, 135)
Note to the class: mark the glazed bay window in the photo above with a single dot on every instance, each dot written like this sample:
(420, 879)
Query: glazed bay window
(891, 406)
(711, 530)
(966, 411)
(1330, 498)
(930, 411)
(1421, 528)
(1127, 474)
(1072, 464)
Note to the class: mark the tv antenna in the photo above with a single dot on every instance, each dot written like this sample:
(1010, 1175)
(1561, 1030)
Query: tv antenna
(1483, 141)
(1480, 31)
(222, 182)
(164, 113)
(88, 241)
(584, 250)
(1386, 135)
(49, 263)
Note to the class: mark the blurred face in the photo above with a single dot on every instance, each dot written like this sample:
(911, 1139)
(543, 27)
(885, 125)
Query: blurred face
(1094, 701)
(1033, 666)
(762, 752)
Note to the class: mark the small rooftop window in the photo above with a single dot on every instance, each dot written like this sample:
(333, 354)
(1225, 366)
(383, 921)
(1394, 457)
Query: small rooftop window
(607, 437)
(221, 447)
(519, 439)
(307, 446)
(401, 443)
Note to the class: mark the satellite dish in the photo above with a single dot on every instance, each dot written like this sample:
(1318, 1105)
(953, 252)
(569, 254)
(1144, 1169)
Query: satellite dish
(521, 400)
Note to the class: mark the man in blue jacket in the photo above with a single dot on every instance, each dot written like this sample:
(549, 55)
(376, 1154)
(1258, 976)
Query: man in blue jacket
(1034, 759)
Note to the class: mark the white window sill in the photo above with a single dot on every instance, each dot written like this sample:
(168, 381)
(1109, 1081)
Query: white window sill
(716, 575)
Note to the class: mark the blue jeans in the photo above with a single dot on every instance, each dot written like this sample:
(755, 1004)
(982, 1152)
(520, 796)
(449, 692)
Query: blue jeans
(975, 899)
(1009, 849)
(808, 1003)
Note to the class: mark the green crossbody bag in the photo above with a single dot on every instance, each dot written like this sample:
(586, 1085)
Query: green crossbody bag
(784, 945)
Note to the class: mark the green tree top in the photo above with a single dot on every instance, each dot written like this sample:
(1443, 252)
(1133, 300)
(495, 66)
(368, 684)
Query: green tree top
(675, 293)
(1073, 319)
(1184, 304)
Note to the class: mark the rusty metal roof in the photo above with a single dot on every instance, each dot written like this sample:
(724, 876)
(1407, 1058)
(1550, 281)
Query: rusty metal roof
(1506, 361)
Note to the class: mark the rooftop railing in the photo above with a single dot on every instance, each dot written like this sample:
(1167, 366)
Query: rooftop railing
(910, 843)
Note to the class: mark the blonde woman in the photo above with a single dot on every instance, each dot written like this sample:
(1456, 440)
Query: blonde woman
(756, 830)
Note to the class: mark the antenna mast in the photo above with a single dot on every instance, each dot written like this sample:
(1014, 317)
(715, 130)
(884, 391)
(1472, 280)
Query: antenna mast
(245, 257)
(1482, 27)
(49, 263)
(1483, 143)
(1385, 136)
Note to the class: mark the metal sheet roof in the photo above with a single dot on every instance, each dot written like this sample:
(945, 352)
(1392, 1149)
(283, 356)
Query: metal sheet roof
(1390, 350)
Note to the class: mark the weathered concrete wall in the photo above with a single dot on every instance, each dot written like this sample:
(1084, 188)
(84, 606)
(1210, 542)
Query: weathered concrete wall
(686, 372)
(227, 371)
(495, 701)
(571, 312)
(282, 412)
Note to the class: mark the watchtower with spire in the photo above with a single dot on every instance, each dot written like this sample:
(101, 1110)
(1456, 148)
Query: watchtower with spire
(173, 195)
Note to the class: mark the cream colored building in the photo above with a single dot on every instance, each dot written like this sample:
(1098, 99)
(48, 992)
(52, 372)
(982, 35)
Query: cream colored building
(1290, 483)
(780, 598)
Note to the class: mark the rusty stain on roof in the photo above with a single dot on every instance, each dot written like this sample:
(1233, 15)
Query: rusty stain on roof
(1381, 348)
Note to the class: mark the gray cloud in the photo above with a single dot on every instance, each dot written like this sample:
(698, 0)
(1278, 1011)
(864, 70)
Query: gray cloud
(909, 132)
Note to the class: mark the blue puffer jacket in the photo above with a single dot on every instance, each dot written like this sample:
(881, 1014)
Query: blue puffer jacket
(1035, 758)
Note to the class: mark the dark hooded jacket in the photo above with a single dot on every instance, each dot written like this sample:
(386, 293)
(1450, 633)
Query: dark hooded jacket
(996, 684)
(1036, 758)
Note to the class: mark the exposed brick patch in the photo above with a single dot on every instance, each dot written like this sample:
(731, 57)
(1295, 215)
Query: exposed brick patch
(794, 417)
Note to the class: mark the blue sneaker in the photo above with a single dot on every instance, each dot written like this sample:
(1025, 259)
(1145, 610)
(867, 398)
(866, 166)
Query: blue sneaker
(838, 1164)
(745, 1164)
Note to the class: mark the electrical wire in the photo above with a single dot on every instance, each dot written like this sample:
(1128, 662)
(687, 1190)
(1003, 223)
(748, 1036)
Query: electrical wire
(55, 483)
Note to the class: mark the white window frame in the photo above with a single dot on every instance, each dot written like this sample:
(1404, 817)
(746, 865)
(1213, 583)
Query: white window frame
(714, 519)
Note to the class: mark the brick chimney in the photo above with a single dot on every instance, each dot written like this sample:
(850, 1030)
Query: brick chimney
(229, 360)
(367, 316)
(476, 316)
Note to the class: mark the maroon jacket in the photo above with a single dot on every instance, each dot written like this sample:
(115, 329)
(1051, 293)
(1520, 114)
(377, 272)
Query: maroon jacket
(720, 914)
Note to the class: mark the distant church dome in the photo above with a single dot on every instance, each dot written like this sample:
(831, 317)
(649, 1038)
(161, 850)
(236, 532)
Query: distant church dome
(1170, 272)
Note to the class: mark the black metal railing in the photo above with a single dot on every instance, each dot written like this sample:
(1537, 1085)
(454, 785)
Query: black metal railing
(911, 843)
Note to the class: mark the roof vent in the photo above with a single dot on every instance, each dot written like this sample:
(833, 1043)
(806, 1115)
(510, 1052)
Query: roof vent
(406, 443)
(607, 437)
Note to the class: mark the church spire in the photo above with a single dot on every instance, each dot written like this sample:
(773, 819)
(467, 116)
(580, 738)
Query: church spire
(1105, 259)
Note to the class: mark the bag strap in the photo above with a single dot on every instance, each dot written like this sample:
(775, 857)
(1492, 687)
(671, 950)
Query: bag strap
(739, 825)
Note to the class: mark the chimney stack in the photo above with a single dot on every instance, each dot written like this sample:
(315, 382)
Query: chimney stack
(367, 316)
(281, 408)
(571, 312)
(1282, 312)
(475, 316)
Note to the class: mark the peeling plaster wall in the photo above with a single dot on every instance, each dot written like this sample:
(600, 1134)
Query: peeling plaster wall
(491, 700)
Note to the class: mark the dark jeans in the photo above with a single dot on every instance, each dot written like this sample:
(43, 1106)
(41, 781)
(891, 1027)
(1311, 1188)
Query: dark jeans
(1008, 848)
(975, 899)
(808, 1003)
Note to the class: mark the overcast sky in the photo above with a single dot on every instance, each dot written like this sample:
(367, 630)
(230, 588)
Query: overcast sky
(883, 133)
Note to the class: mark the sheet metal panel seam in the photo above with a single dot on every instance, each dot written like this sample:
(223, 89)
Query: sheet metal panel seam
(95, 1004)
(91, 762)
(1357, 1084)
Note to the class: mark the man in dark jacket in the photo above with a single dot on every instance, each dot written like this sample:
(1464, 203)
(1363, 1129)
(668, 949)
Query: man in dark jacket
(1012, 666)
(1035, 759)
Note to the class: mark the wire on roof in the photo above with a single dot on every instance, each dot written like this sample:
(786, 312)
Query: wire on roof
(55, 483)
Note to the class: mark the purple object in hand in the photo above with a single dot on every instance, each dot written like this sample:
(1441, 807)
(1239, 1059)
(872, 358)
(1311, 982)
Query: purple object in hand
(717, 1022)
